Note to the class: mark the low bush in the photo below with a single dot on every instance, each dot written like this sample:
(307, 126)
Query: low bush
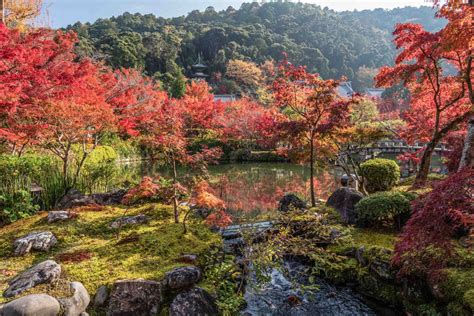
(385, 208)
(380, 174)
(16, 206)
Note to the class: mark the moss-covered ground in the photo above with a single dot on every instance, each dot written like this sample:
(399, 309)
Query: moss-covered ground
(90, 252)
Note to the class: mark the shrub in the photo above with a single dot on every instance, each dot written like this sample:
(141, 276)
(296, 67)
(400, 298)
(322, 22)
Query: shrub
(16, 206)
(380, 174)
(392, 208)
(19, 173)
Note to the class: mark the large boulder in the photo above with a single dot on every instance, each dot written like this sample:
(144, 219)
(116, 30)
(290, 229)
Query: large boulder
(291, 202)
(41, 241)
(110, 198)
(60, 216)
(45, 272)
(77, 303)
(135, 297)
(129, 220)
(75, 198)
(195, 301)
(344, 201)
(32, 305)
(183, 278)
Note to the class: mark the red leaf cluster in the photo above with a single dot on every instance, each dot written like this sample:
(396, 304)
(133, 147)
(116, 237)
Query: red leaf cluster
(426, 243)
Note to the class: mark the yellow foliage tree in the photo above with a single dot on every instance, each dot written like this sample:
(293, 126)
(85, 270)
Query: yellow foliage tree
(246, 74)
(19, 13)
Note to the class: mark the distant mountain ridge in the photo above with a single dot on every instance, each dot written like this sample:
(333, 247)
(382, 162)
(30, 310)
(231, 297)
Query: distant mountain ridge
(334, 44)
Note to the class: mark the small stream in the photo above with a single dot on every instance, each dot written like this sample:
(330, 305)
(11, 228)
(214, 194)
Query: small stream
(283, 295)
(286, 293)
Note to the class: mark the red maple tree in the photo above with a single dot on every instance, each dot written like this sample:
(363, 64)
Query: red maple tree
(439, 98)
(313, 110)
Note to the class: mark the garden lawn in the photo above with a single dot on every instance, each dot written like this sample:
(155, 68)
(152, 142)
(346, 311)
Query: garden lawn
(89, 251)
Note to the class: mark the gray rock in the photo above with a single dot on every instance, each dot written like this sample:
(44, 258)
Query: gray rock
(110, 198)
(101, 296)
(59, 216)
(359, 255)
(45, 272)
(344, 201)
(135, 297)
(84, 314)
(75, 198)
(196, 302)
(291, 202)
(129, 220)
(41, 241)
(77, 303)
(32, 305)
(183, 278)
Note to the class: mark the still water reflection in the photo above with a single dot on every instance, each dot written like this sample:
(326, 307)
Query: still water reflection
(253, 190)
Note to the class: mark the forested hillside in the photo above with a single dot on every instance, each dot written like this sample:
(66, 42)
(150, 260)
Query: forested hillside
(335, 44)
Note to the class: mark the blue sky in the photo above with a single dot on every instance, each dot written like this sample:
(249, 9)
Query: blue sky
(64, 12)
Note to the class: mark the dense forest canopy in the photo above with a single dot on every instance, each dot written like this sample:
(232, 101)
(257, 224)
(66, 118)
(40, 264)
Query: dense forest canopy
(334, 44)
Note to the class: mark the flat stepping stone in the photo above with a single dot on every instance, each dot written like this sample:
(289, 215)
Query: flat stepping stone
(129, 220)
(41, 241)
(45, 272)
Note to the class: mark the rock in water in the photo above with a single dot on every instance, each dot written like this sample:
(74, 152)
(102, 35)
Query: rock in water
(77, 303)
(193, 302)
(32, 305)
(291, 202)
(45, 272)
(59, 216)
(344, 201)
(129, 220)
(135, 297)
(183, 278)
(41, 241)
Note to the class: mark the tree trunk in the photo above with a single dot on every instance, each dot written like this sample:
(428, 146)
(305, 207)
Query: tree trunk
(422, 175)
(467, 159)
(311, 168)
(2, 12)
(175, 199)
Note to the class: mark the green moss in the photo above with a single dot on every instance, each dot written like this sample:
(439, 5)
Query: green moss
(383, 291)
(367, 238)
(153, 250)
(458, 286)
(456, 309)
(468, 298)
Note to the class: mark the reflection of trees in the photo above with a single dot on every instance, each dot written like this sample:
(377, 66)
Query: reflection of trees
(260, 189)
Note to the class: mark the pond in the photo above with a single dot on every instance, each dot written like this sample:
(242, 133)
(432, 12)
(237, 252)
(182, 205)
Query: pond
(252, 191)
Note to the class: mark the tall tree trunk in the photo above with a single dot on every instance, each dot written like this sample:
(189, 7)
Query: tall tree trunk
(467, 159)
(2, 12)
(422, 175)
(175, 199)
(311, 168)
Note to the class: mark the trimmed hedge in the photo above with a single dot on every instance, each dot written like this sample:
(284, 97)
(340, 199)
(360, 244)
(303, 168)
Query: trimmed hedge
(385, 208)
(380, 174)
